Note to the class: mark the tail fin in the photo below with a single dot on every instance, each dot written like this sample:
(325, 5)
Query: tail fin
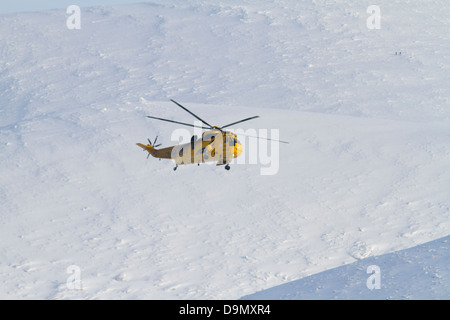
(149, 148)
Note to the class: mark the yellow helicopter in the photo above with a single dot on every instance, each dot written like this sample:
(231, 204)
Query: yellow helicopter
(215, 144)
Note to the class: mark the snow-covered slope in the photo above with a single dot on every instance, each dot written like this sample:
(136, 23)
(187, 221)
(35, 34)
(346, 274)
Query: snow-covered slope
(419, 273)
(365, 173)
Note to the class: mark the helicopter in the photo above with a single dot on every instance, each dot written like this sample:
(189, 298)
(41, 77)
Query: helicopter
(215, 145)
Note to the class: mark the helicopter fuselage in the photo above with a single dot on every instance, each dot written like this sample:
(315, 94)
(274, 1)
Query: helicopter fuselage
(219, 146)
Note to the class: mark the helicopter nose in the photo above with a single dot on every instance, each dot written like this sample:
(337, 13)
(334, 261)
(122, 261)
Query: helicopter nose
(238, 150)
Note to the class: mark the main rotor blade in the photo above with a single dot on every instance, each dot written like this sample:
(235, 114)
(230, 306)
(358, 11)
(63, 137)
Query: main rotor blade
(197, 117)
(178, 122)
(247, 135)
(239, 121)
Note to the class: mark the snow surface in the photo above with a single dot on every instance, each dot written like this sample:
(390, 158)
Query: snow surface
(365, 173)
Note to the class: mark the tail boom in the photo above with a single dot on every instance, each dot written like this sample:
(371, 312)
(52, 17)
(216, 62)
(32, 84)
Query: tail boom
(165, 153)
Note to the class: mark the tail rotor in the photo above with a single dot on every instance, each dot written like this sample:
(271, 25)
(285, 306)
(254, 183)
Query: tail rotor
(150, 147)
(154, 145)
